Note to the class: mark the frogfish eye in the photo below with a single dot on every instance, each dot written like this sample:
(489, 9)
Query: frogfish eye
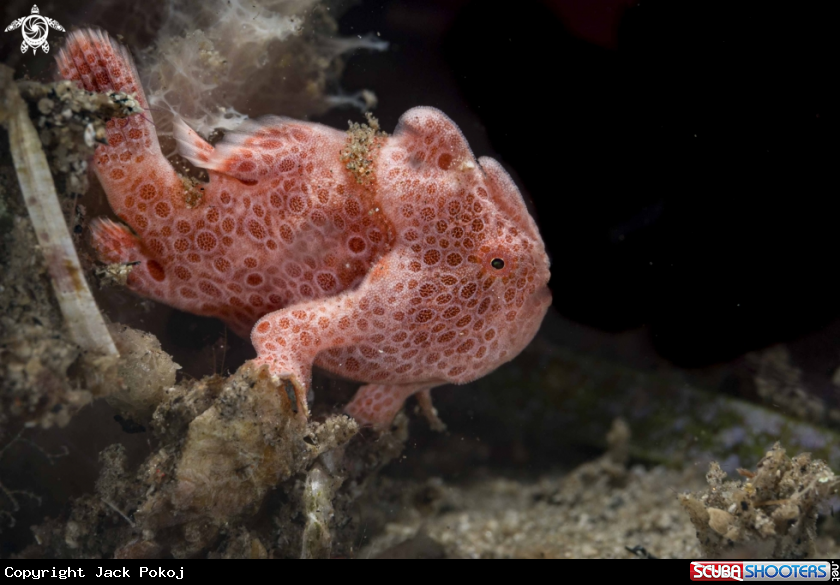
(497, 263)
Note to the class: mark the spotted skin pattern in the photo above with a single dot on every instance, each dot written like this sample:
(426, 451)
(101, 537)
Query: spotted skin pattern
(430, 271)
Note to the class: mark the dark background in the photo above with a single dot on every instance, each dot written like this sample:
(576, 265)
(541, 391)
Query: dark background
(680, 157)
(679, 154)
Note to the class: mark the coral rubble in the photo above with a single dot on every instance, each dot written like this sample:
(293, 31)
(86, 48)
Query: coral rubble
(225, 445)
(770, 513)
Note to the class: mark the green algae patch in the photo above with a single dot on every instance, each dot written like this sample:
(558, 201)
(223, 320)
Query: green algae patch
(567, 398)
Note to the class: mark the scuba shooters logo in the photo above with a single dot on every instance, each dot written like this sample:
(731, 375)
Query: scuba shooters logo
(717, 571)
(764, 571)
(35, 29)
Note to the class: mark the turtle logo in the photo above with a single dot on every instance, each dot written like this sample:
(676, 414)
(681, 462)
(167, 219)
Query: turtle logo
(34, 29)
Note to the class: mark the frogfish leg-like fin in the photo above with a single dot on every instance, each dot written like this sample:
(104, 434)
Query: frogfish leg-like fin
(376, 405)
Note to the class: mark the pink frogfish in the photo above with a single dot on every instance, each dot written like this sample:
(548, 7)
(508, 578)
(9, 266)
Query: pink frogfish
(402, 261)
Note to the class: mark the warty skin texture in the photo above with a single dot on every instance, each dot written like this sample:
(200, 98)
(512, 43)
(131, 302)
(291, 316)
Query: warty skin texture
(428, 270)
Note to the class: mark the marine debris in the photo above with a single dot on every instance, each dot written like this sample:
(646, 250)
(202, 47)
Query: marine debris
(82, 316)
